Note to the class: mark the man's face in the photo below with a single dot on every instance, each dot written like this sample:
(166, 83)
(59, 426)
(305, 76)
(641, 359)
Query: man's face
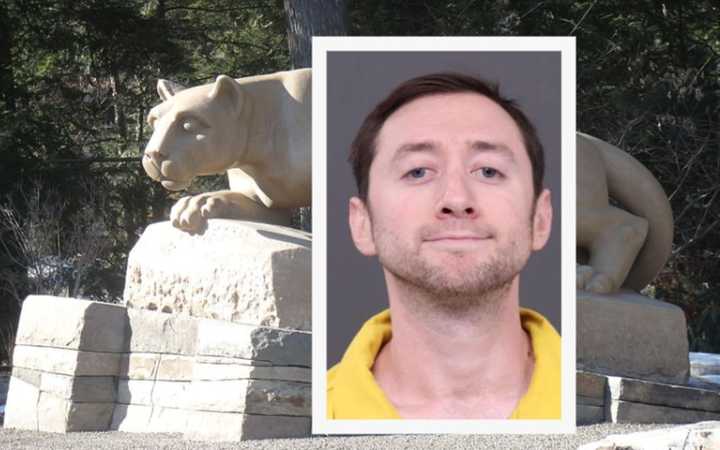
(450, 200)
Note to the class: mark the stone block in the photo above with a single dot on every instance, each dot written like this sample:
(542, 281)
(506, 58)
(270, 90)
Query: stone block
(589, 414)
(21, 410)
(686, 397)
(135, 392)
(218, 426)
(139, 366)
(131, 418)
(31, 376)
(591, 401)
(60, 415)
(72, 323)
(620, 411)
(79, 389)
(66, 361)
(251, 397)
(704, 435)
(627, 334)
(272, 345)
(149, 419)
(155, 332)
(153, 393)
(251, 273)
(209, 371)
(175, 367)
(590, 384)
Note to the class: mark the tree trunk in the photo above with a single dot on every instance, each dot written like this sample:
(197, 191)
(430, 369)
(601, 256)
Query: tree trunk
(308, 18)
(305, 19)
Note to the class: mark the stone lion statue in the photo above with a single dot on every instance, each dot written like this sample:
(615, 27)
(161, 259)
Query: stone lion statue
(257, 129)
(624, 245)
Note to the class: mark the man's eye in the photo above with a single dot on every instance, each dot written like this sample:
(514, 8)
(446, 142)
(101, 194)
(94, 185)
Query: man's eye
(417, 173)
(489, 172)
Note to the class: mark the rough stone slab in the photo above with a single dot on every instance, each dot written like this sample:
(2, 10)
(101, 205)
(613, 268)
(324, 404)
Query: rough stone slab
(251, 273)
(627, 334)
(66, 361)
(201, 359)
(72, 323)
(630, 412)
(217, 426)
(703, 435)
(148, 419)
(591, 384)
(21, 408)
(135, 392)
(675, 396)
(207, 371)
(704, 364)
(175, 367)
(148, 392)
(79, 389)
(156, 332)
(277, 346)
(31, 376)
(61, 415)
(131, 418)
(591, 401)
(139, 366)
(251, 397)
(589, 414)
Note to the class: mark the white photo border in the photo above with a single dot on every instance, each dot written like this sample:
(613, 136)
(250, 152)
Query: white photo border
(320, 47)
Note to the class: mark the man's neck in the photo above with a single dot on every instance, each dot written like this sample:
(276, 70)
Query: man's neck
(477, 364)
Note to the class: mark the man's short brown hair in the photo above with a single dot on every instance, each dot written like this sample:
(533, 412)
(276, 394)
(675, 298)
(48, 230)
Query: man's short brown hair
(362, 151)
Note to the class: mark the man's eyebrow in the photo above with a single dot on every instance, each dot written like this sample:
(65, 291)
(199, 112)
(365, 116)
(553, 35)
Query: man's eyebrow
(494, 147)
(415, 147)
(479, 146)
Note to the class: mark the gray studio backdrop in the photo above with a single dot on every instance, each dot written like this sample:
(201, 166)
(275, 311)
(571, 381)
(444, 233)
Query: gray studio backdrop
(356, 82)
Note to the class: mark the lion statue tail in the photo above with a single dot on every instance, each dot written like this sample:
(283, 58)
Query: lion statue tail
(635, 188)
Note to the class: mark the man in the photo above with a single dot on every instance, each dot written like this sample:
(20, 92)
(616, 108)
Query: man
(450, 200)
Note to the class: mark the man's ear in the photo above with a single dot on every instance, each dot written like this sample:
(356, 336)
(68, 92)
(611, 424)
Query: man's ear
(542, 220)
(361, 227)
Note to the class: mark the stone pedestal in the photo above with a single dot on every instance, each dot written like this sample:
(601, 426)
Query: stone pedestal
(165, 363)
(236, 271)
(630, 335)
(160, 373)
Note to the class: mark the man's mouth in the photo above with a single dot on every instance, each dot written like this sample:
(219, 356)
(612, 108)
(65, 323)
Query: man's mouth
(457, 240)
(457, 237)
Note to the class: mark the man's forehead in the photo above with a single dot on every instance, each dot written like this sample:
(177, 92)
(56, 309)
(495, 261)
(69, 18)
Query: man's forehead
(420, 124)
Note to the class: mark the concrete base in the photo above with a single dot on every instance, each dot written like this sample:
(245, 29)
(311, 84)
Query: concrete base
(630, 335)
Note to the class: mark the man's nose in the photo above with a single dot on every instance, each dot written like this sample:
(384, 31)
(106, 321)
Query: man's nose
(457, 199)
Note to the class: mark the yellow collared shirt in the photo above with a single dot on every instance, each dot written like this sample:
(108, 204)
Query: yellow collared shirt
(353, 393)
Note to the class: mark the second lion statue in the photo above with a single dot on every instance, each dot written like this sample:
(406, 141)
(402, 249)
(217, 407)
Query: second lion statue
(257, 129)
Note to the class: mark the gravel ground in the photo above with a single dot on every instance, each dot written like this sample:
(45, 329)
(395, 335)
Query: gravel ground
(17, 439)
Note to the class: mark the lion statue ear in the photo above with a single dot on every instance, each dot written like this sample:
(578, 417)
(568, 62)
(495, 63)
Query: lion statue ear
(228, 90)
(167, 89)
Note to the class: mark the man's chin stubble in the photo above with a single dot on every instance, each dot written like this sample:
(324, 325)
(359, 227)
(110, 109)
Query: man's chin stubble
(479, 292)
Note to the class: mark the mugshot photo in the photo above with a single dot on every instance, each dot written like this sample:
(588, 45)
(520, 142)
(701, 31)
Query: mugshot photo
(443, 234)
